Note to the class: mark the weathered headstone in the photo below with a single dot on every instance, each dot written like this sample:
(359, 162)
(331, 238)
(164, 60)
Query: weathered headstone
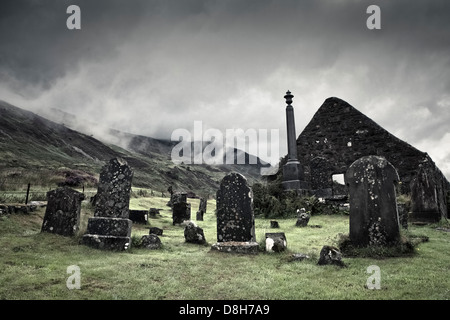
(181, 209)
(424, 197)
(276, 242)
(62, 215)
(302, 218)
(110, 227)
(139, 216)
(330, 255)
(201, 209)
(373, 206)
(194, 234)
(235, 218)
(150, 241)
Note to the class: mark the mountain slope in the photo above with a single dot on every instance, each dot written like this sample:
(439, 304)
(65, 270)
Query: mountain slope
(35, 149)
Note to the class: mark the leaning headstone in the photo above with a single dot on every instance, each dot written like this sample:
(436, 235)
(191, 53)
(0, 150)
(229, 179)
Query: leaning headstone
(201, 209)
(62, 215)
(181, 209)
(193, 233)
(424, 197)
(330, 255)
(373, 206)
(276, 242)
(235, 218)
(302, 218)
(110, 227)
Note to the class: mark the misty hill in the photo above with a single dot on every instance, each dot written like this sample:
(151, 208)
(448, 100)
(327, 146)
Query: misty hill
(37, 150)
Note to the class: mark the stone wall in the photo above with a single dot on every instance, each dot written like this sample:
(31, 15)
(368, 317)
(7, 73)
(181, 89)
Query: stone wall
(338, 134)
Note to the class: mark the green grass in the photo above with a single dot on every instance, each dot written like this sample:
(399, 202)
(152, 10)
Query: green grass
(34, 265)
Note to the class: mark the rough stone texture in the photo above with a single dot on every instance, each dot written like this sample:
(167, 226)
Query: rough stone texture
(245, 247)
(114, 187)
(201, 209)
(110, 227)
(151, 242)
(62, 215)
(302, 218)
(181, 209)
(194, 234)
(425, 203)
(276, 242)
(107, 242)
(235, 218)
(338, 135)
(106, 226)
(330, 255)
(139, 216)
(373, 205)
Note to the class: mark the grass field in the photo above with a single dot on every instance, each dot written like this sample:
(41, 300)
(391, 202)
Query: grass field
(34, 265)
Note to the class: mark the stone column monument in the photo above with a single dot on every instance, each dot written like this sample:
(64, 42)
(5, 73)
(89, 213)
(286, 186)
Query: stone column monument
(293, 176)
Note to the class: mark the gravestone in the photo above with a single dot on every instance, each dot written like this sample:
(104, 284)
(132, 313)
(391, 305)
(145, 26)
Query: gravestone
(373, 206)
(235, 218)
(193, 233)
(181, 209)
(110, 227)
(424, 197)
(302, 218)
(201, 209)
(151, 242)
(139, 216)
(276, 242)
(330, 255)
(62, 215)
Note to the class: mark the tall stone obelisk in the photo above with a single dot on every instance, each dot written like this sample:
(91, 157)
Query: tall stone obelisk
(293, 176)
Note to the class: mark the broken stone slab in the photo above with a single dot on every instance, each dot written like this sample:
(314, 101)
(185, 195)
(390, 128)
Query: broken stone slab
(299, 257)
(330, 255)
(106, 242)
(276, 242)
(193, 233)
(109, 226)
(247, 247)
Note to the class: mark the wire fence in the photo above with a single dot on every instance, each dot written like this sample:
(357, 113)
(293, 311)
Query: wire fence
(27, 192)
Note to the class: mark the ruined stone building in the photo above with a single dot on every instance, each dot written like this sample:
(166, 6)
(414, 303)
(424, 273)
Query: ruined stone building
(338, 134)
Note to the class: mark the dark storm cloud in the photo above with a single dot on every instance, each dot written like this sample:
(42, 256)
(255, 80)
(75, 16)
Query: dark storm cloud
(152, 66)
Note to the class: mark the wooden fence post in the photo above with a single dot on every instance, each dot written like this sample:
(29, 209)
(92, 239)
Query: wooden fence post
(28, 193)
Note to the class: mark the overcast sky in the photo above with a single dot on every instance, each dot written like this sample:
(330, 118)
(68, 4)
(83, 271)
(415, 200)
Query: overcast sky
(150, 67)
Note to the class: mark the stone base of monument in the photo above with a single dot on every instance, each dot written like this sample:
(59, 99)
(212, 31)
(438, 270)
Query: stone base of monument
(248, 247)
(106, 242)
(108, 233)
